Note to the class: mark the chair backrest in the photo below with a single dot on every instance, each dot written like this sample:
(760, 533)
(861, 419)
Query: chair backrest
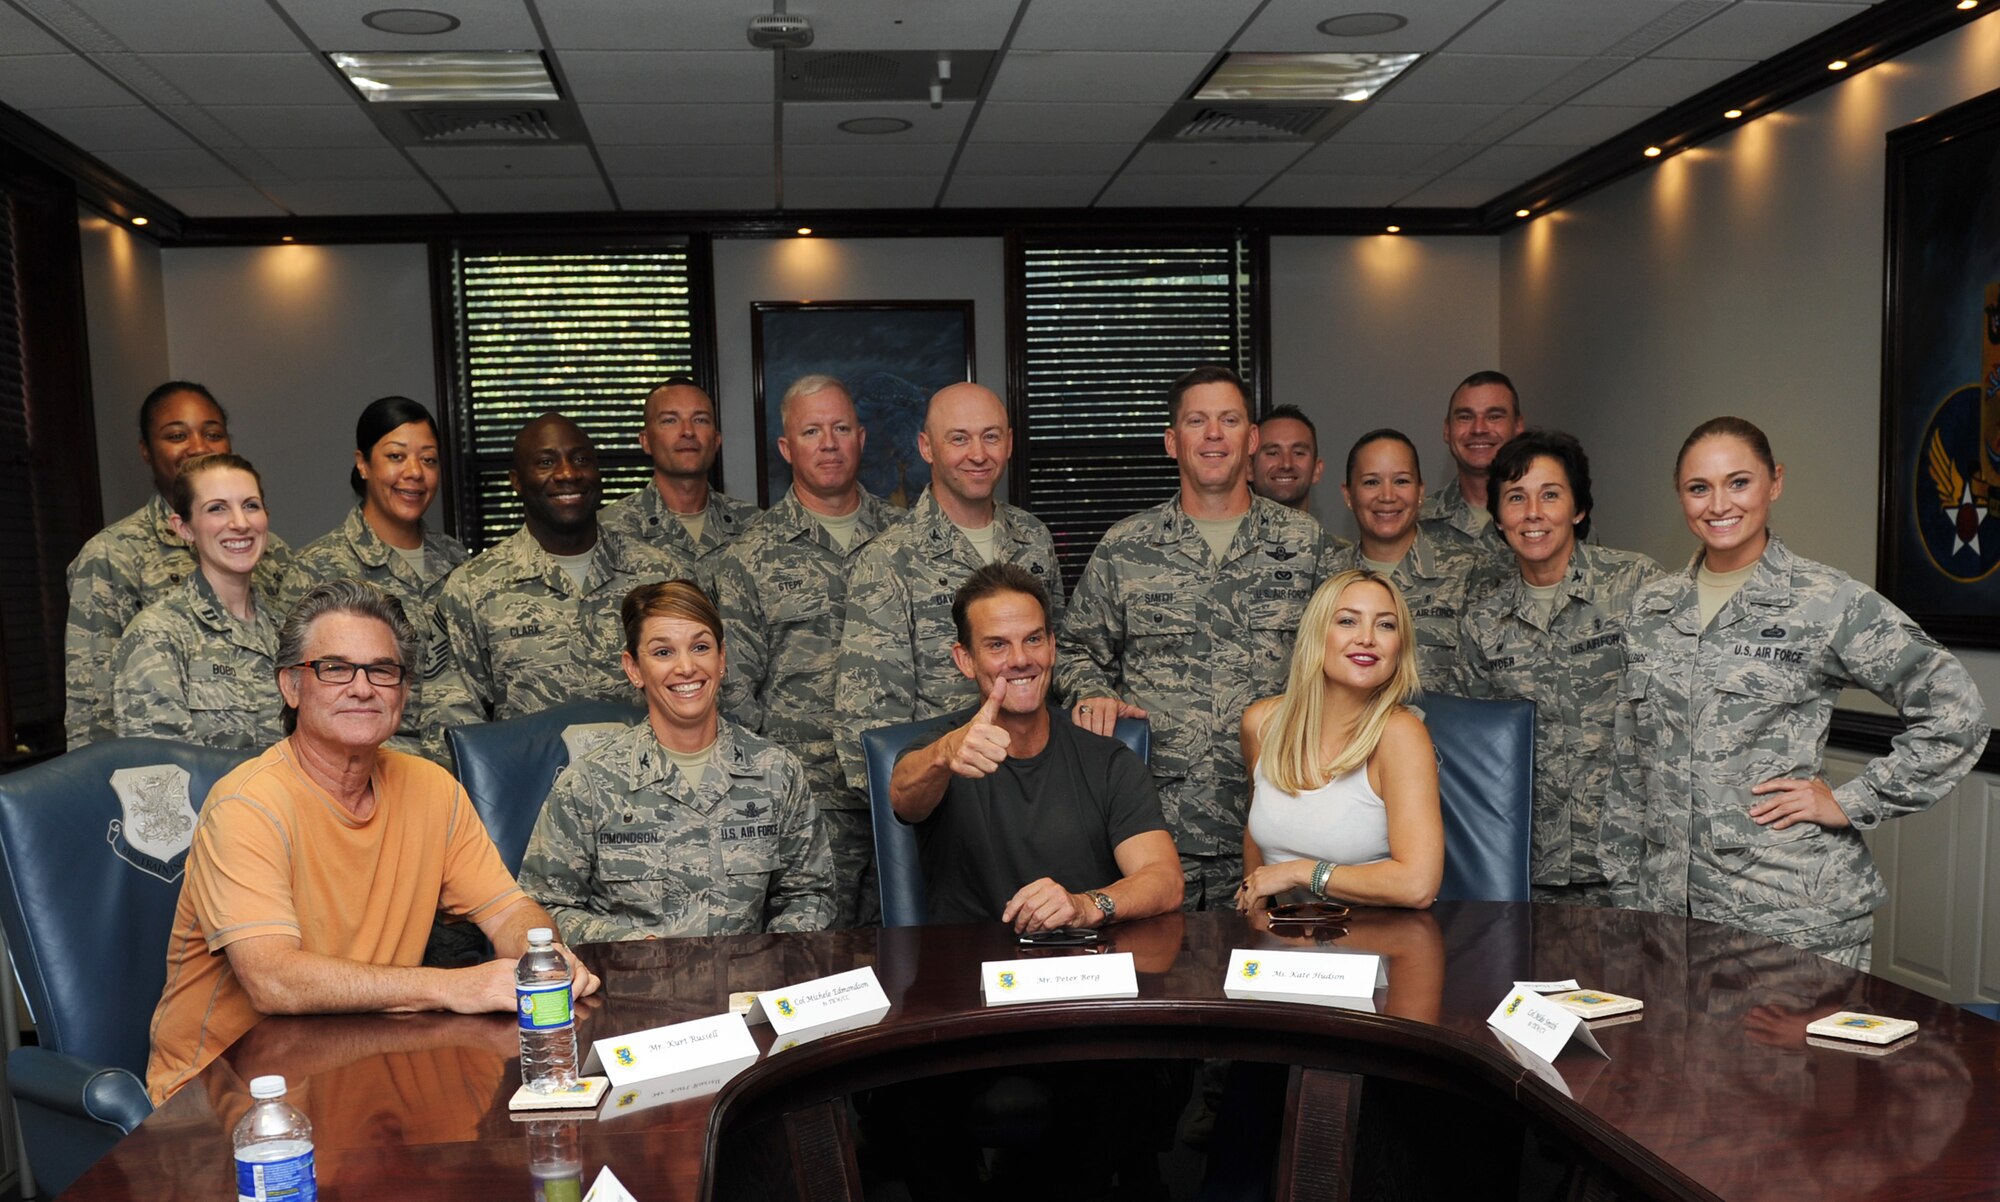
(897, 869)
(508, 767)
(90, 873)
(1486, 781)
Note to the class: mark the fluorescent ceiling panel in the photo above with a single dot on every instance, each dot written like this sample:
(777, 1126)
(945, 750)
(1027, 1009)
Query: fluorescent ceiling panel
(402, 77)
(1353, 77)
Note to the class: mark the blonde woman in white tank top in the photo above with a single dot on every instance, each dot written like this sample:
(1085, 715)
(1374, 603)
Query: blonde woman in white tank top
(1345, 799)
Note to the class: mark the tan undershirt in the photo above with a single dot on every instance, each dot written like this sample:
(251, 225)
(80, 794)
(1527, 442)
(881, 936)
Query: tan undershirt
(985, 540)
(693, 764)
(1714, 589)
(840, 528)
(1545, 598)
(694, 523)
(1380, 567)
(1218, 533)
(576, 567)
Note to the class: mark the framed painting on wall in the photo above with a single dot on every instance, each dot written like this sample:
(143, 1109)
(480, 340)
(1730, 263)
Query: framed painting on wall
(892, 355)
(1938, 539)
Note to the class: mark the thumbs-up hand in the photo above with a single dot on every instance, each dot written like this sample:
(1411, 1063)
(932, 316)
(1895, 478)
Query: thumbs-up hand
(979, 747)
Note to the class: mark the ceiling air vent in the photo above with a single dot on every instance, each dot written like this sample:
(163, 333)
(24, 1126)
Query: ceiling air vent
(1257, 121)
(491, 125)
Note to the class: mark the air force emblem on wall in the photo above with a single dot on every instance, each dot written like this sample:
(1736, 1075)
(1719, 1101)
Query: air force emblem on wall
(157, 822)
(1957, 502)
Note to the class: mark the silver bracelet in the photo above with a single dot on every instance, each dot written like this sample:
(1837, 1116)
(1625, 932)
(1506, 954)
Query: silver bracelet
(1321, 871)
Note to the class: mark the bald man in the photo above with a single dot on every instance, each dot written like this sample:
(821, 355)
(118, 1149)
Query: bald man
(895, 650)
(532, 621)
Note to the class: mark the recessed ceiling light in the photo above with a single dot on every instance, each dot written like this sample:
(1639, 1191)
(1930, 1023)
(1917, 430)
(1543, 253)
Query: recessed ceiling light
(875, 125)
(1302, 76)
(401, 76)
(1967, 5)
(142, 221)
(1733, 114)
(412, 21)
(1839, 64)
(1652, 152)
(1362, 25)
(1395, 229)
(1520, 212)
(805, 231)
(287, 238)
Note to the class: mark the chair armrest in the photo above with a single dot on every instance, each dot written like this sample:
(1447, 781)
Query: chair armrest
(75, 1087)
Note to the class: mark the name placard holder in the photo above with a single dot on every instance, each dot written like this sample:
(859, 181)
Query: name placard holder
(1344, 979)
(675, 1048)
(850, 999)
(674, 1087)
(1539, 1026)
(1058, 979)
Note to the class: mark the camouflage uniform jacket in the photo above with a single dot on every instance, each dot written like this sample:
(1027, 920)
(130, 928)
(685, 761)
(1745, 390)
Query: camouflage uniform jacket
(1433, 581)
(644, 515)
(782, 590)
(1158, 622)
(1705, 715)
(625, 849)
(188, 670)
(513, 635)
(355, 552)
(1453, 525)
(895, 647)
(125, 567)
(1568, 665)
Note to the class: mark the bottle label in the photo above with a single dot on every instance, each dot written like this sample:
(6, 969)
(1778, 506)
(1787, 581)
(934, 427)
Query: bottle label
(543, 1006)
(286, 1180)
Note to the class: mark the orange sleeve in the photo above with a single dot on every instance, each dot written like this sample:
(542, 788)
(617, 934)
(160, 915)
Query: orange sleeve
(239, 874)
(476, 883)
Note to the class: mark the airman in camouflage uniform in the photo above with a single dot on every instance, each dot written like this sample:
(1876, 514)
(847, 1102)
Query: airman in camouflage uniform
(1705, 715)
(624, 849)
(1433, 581)
(1567, 662)
(1483, 412)
(125, 567)
(355, 552)
(188, 670)
(1454, 526)
(680, 436)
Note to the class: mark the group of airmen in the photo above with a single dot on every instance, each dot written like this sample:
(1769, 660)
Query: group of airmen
(837, 607)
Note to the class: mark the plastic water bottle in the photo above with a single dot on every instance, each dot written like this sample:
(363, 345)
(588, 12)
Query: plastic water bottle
(548, 1029)
(274, 1148)
(555, 1158)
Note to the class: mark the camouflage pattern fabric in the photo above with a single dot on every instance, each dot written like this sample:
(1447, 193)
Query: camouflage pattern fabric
(895, 647)
(354, 552)
(1159, 622)
(624, 849)
(1568, 664)
(125, 567)
(644, 515)
(1454, 526)
(1433, 582)
(188, 670)
(513, 635)
(1705, 715)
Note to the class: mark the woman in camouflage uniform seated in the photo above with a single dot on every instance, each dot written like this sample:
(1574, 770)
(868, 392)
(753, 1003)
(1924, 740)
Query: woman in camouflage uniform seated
(197, 665)
(687, 824)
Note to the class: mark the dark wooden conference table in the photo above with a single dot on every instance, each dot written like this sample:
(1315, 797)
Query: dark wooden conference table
(1714, 1093)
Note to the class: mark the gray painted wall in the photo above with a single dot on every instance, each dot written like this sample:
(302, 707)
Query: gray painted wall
(126, 322)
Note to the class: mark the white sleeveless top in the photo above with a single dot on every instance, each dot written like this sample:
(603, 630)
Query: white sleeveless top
(1341, 822)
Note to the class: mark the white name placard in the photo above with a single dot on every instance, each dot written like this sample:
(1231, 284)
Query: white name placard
(1058, 979)
(1547, 986)
(674, 1087)
(1539, 1025)
(677, 1048)
(1346, 979)
(854, 996)
(607, 1188)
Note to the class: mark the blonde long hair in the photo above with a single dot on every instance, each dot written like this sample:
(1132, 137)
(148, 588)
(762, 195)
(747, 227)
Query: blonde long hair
(1290, 755)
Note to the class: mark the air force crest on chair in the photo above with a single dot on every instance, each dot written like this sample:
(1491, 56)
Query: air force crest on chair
(158, 819)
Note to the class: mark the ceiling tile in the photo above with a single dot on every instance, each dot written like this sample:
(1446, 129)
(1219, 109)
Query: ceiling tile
(1479, 78)
(1043, 158)
(174, 168)
(239, 201)
(1292, 25)
(1096, 77)
(650, 77)
(119, 127)
(524, 195)
(1580, 125)
(326, 163)
(1003, 122)
(1758, 29)
(1365, 158)
(1112, 25)
(251, 78)
(646, 24)
(360, 197)
(1512, 164)
(1336, 191)
(1022, 191)
(150, 26)
(298, 125)
(1661, 81)
(878, 157)
(819, 123)
(482, 25)
(499, 162)
(56, 81)
(1578, 26)
(665, 161)
(724, 24)
(854, 192)
(1434, 124)
(1453, 194)
(1158, 158)
(678, 124)
(19, 35)
(1180, 190)
(680, 192)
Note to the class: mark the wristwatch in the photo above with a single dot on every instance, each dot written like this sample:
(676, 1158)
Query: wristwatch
(1105, 905)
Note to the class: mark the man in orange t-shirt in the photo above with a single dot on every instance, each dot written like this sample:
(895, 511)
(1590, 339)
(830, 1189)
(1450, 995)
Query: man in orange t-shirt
(318, 867)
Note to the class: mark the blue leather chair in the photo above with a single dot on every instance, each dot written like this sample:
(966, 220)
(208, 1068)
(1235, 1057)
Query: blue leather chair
(896, 866)
(88, 886)
(508, 767)
(1486, 781)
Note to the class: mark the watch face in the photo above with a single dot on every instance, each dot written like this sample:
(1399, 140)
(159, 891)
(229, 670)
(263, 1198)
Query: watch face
(1104, 903)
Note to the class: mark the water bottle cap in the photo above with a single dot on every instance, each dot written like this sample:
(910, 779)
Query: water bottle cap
(541, 935)
(267, 1087)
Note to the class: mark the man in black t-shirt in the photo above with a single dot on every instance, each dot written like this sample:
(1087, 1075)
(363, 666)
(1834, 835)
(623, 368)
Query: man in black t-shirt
(1019, 814)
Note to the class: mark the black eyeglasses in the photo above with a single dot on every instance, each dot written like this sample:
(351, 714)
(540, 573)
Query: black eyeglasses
(339, 671)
